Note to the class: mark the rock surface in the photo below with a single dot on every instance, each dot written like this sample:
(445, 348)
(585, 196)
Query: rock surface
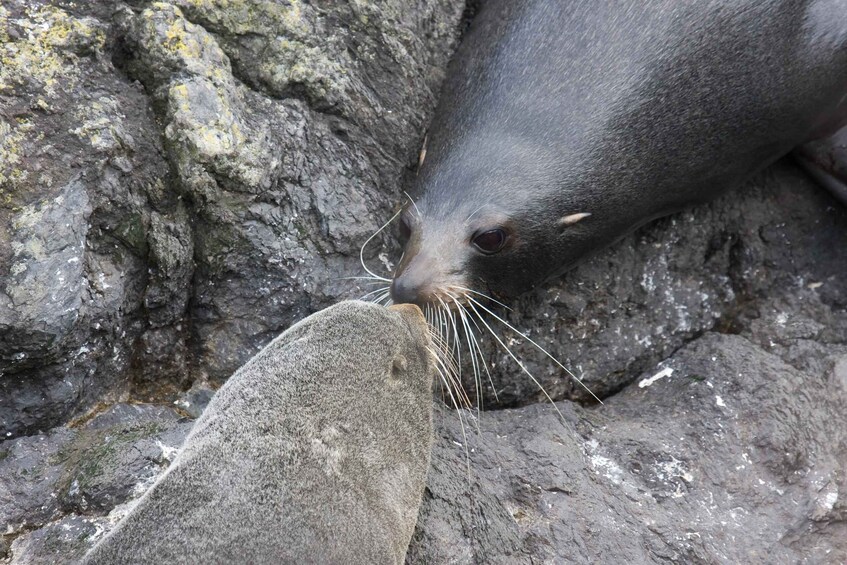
(180, 181)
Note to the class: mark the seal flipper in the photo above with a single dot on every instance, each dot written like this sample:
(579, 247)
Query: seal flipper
(826, 161)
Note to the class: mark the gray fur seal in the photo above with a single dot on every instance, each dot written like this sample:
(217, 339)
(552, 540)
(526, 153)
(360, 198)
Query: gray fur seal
(315, 451)
(563, 126)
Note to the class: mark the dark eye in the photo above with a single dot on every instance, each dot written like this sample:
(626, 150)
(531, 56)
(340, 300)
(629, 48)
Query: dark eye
(490, 241)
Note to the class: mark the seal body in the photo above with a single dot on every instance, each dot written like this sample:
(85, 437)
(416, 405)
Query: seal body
(315, 451)
(565, 125)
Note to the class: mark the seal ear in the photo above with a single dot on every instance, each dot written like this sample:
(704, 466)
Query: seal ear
(571, 219)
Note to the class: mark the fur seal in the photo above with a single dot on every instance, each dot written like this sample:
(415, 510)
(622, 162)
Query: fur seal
(315, 451)
(563, 126)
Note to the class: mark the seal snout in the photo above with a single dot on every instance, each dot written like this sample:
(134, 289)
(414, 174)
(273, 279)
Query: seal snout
(407, 290)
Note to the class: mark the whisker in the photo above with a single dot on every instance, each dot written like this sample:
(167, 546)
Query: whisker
(367, 241)
(457, 343)
(480, 294)
(468, 336)
(453, 384)
(464, 311)
(412, 200)
(473, 347)
(379, 290)
(512, 355)
(360, 277)
(458, 413)
(471, 215)
(380, 297)
(544, 351)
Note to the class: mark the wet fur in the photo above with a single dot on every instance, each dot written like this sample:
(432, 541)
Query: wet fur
(624, 110)
(316, 451)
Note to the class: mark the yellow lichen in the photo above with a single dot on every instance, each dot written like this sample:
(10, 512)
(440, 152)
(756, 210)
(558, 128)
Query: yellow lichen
(11, 142)
(44, 58)
(100, 123)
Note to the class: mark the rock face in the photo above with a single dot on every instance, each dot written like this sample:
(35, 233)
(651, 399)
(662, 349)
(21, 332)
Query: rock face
(181, 181)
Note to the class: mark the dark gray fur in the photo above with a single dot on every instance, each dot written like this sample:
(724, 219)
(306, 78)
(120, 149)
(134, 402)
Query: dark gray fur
(627, 110)
(315, 451)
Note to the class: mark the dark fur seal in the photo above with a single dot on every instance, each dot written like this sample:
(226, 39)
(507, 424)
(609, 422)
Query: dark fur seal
(315, 451)
(565, 125)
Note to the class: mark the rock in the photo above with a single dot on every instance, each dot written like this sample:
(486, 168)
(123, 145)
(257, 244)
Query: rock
(63, 541)
(79, 152)
(199, 174)
(118, 454)
(180, 181)
(88, 469)
(30, 468)
(726, 455)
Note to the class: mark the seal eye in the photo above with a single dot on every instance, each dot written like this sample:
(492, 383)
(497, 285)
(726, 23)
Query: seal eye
(490, 241)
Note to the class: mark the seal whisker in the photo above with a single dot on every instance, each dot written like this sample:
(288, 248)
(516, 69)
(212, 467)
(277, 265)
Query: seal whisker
(471, 340)
(485, 365)
(377, 291)
(380, 279)
(382, 294)
(482, 294)
(444, 356)
(515, 359)
(451, 384)
(456, 407)
(474, 344)
(445, 346)
(471, 215)
(456, 343)
(384, 299)
(544, 351)
(414, 205)
(367, 241)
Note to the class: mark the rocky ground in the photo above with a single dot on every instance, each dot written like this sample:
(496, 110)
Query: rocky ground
(180, 181)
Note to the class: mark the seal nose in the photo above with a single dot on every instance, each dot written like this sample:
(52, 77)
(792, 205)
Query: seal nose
(405, 291)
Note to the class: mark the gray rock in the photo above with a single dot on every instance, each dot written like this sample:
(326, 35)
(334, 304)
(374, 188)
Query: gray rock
(88, 469)
(79, 153)
(200, 175)
(63, 541)
(726, 454)
(30, 468)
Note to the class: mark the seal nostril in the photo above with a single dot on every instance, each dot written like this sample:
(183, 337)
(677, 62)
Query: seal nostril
(404, 292)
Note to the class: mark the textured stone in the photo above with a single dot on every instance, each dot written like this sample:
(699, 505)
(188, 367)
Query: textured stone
(726, 454)
(180, 181)
(87, 469)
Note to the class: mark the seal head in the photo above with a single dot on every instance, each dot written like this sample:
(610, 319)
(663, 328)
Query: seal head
(564, 126)
(316, 451)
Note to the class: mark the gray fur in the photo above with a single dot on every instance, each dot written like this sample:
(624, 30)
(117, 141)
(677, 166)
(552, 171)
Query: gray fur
(626, 110)
(315, 451)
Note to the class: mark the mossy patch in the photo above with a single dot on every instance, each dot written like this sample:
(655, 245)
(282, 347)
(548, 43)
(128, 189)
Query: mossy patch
(44, 58)
(12, 140)
(95, 455)
(292, 50)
